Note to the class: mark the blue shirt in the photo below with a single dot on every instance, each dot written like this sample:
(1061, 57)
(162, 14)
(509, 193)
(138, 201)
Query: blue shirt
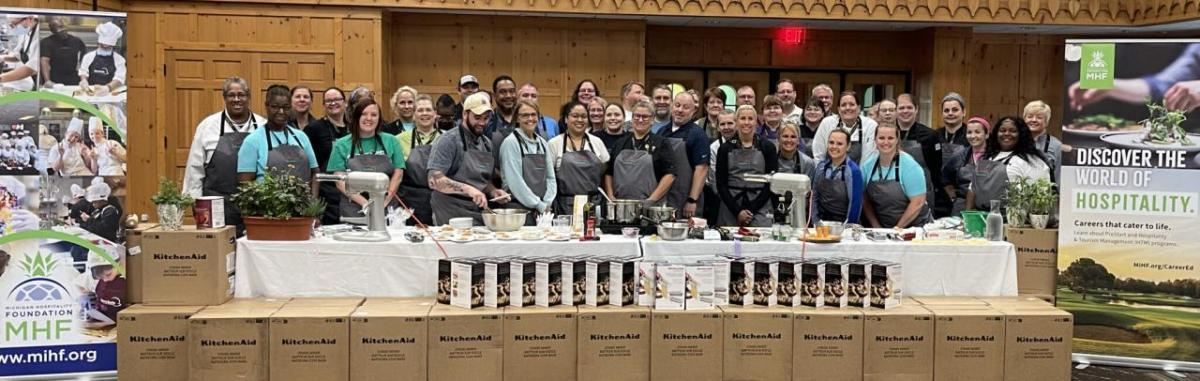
(911, 175)
(252, 157)
(658, 127)
(548, 127)
(694, 139)
(512, 171)
(852, 175)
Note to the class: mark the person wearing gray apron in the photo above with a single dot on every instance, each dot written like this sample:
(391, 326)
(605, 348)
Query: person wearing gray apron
(856, 145)
(414, 187)
(475, 170)
(579, 173)
(682, 187)
(364, 162)
(837, 188)
(989, 181)
(220, 172)
(888, 200)
(284, 157)
(917, 151)
(739, 196)
(641, 169)
(633, 174)
(534, 174)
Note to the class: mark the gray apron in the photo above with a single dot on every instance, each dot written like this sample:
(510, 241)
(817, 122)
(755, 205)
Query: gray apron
(373, 162)
(832, 195)
(533, 173)
(745, 161)
(475, 170)
(579, 173)
(889, 200)
(856, 147)
(682, 187)
(287, 158)
(914, 149)
(220, 172)
(633, 172)
(989, 180)
(414, 187)
(963, 177)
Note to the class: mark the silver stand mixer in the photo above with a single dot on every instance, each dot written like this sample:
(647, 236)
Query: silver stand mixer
(782, 184)
(375, 184)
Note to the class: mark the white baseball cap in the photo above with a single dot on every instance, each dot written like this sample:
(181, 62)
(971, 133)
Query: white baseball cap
(467, 79)
(478, 103)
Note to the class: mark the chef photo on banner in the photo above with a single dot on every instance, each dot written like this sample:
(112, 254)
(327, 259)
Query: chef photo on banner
(103, 69)
(18, 147)
(19, 204)
(20, 57)
(95, 204)
(85, 146)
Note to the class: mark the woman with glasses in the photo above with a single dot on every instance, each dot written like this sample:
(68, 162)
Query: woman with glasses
(277, 148)
(524, 164)
(641, 168)
(322, 133)
(416, 144)
(212, 162)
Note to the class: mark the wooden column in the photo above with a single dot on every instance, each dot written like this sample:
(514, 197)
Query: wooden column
(943, 66)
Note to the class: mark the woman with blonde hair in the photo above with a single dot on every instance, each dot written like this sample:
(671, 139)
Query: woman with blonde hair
(404, 104)
(1037, 117)
(791, 151)
(744, 203)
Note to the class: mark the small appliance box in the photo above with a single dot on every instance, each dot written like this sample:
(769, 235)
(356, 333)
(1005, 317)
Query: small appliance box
(231, 341)
(899, 343)
(686, 345)
(311, 342)
(766, 273)
(465, 344)
(540, 343)
(1037, 259)
(443, 281)
(209, 212)
(968, 340)
(597, 284)
(787, 290)
(887, 284)
(574, 281)
(836, 271)
(388, 339)
(548, 287)
(466, 284)
(700, 287)
(721, 277)
(670, 287)
(758, 343)
(496, 282)
(614, 344)
(858, 284)
(647, 287)
(188, 267)
(741, 282)
(1037, 343)
(154, 340)
(622, 282)
(827, 344)
(133, 262)
(522, 278)
(812, 283)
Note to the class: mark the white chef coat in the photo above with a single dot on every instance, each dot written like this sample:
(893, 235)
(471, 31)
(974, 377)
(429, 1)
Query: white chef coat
(106, 161)
(821, 138)
(118, 60)
(72, 159)
(34, 61)
(208, 132)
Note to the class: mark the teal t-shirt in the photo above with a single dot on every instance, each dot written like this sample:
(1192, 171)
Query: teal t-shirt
(369, 146)
(912, 176)
(252, 157)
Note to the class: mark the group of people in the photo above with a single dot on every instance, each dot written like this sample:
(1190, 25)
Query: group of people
(18, 153)
(686, 149)
(93, 154)
(60, 57)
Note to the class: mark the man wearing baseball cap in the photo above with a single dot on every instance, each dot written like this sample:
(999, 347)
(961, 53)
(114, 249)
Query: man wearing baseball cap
(461, 165)
(467, 85)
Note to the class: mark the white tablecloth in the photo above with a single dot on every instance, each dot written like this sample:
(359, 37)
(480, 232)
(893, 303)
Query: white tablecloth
(325, 267)
(929, 268)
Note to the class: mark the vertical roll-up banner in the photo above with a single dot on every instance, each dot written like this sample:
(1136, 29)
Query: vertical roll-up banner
(1129, 243)
(62, 190)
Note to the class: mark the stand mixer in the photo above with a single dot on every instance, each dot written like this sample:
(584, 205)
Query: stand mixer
(792, 187)
(376, 185)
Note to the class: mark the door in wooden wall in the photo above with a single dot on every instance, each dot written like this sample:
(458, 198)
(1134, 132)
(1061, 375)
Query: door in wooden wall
(759, 80)
(193, 88)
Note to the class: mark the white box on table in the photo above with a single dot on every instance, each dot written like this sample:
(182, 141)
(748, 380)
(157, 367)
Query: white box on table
(670, 286)
(701, 283)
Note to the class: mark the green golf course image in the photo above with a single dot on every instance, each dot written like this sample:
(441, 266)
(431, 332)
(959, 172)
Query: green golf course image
(1134, 324)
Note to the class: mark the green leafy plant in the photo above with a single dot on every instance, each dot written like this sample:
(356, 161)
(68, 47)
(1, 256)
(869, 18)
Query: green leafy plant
(1016, 194)
(1163, 126)
(1042, 197)
(170, 194)
(278, 196)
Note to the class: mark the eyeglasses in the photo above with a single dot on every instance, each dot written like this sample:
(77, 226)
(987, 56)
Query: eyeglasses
(641, 116)
(528, 115)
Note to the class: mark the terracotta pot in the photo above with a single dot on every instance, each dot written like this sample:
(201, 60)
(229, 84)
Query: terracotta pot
(292, 229)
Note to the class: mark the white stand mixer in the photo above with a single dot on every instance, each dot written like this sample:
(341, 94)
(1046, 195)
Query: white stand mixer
(376, 185)
(782, 184)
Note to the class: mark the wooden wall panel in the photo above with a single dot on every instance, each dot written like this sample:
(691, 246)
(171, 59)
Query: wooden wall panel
(1034, 61)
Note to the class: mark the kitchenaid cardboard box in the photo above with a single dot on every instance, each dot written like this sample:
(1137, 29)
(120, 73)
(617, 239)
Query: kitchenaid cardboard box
(858, 284)
(670, 286)
(612, 339)
(133, 262)
(686, 345)
(700, 289)
(758, 343)
(898, 343)
(766, 276)
(945, 301)
(969, 340)
(836, 271)
(522, 281)
(310, 342)
(787, 289)
(548, 287)
(1037, 344)
(153, 342)
(1037, 259)
(187, 267)
(623, 284)
(827, 344)
(231, 341)
(466, 284)
(647, 289)
(741, 282)
(812, 283)
(323, 302)
(389, 339)
(540, 344)
(466, 344)
(721, 268)
(496, 282)
(597, 289)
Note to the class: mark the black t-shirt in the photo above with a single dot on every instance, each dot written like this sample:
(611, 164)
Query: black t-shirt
(321, 133)
(930, 149)
(64, 55)
(656, 144)
(394, 128)
(608, 139)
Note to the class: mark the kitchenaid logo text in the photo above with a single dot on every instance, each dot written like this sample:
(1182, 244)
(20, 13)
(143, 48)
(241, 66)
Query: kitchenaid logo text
(555, 336)
(899, 338)
(829, 337)
(227, 343)
(628, 336)
(455, 339)
(389, 340)
(698, 336)
(309, 342)
(758, 336)
(1025, 339)
(971, 338)
(177, 257)
(157, 339)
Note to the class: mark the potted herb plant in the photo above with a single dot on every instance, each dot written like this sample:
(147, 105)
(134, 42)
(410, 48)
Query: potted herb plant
(1016, 205)
(278, 208)
(1042, 200)
(170, 203)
